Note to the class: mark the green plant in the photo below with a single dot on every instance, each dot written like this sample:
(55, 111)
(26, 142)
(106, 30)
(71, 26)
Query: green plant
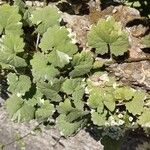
(56, 83)
(107, 36)
(146, 41)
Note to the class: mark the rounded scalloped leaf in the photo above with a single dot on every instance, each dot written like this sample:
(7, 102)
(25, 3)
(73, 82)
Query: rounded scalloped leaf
(70, 85)
(144, 119)
(10, 46)
(67, 128)
(109, 102)
(40, 68)
(82, 63)
(108, 32)
(98, 119)
(56, 38)
(18, 84)
(13, 103)
(64, 107)
(58, 58)
(95, 99)
(136, 105)
(19, 110)
(10, 20)
(44, 18)
(124, 93)
(45, 111)
(48, 91)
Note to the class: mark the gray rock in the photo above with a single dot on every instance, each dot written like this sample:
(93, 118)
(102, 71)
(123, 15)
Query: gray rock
(10, 132)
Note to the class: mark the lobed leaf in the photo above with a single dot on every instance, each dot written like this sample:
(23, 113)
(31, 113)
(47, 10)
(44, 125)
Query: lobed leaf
(64, 107)
(98, 119)
(82, 63)
(57, 38)
(10, 20)
(10, 46)
(136, 105)
(144, 119)
(70, 85)
(50, 93)
(44, 18)
(41, 70)
(19, 110)
(108, 33)
(18, 84)
(67, 128)
(45, 111)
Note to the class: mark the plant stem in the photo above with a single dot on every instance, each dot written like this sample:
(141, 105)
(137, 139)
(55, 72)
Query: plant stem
(37, 41)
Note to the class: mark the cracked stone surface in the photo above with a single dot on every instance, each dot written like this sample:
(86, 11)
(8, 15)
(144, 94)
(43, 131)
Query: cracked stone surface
(45, 140)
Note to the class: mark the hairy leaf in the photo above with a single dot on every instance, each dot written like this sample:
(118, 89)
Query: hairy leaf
(58, 58)
(57, 38)
(108, 32)
(21, 5)
(95, 99)
(64, 107)
(75, 114)
(10, 20)
(44, 18)
(98, 119)
(41, 70)
(135, 106)
(19, 110)
(45, 111)
(45, 89)
(13, 104)
(24, 114)
(109, 101)
(70, 85)
(10, 46)
(144, 119)
(77, 96)
(124, 93)
(18, 85)
(67, 128)
(82, 63)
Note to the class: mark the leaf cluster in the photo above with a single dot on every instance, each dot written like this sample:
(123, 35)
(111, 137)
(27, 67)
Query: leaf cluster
(56, 83)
